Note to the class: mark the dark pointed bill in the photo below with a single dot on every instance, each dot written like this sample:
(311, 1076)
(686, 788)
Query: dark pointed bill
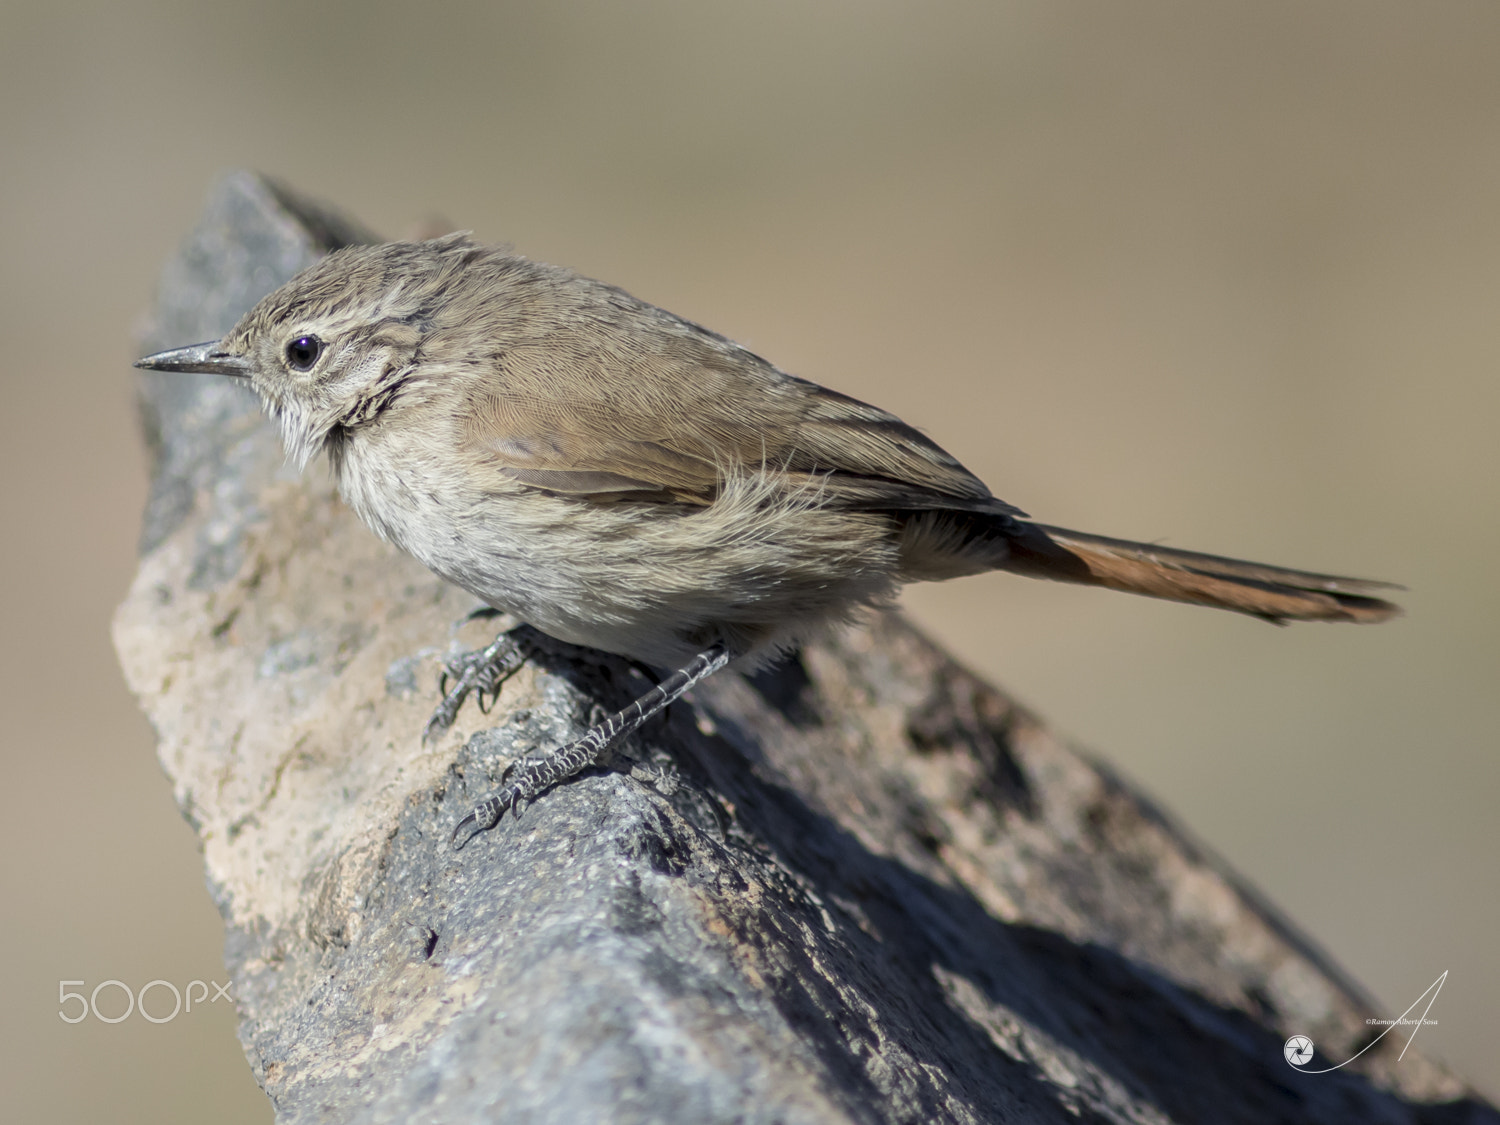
(205, 358)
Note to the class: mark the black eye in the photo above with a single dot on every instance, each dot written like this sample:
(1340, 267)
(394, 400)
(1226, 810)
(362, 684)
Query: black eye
(303, 352)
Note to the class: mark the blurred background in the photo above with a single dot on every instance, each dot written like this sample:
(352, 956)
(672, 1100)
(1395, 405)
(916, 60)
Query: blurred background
(1225, 275)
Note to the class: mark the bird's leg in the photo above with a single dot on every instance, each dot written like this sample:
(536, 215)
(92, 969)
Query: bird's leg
(484, 670)
(533, 775)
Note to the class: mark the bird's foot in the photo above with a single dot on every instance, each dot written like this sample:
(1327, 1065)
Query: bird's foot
(483, 671)
(523, 780)
(533, 775)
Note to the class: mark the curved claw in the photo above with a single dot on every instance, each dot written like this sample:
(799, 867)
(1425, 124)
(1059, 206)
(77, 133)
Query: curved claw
(483, 817)
(436, 725)
(459, 827)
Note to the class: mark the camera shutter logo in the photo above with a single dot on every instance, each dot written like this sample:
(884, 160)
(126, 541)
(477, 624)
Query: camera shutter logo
(1298, 1050)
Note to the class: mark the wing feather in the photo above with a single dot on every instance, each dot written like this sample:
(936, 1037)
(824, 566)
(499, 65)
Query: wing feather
(644, 405)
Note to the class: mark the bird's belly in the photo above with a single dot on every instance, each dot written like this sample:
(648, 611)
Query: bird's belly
(657, 583)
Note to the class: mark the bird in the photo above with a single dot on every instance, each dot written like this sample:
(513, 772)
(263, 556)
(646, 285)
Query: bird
(619, 477)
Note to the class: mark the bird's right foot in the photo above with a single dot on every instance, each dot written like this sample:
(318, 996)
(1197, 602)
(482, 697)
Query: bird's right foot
(483, 671)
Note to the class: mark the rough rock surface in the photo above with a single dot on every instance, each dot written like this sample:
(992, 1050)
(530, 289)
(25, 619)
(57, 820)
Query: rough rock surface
(864, 887)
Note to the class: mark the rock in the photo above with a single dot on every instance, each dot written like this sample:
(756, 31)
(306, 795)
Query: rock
(862, 887)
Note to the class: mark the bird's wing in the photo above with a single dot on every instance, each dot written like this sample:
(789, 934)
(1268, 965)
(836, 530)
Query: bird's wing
(646, 406)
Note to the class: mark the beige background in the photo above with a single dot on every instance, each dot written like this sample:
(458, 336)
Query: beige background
(1221, 274)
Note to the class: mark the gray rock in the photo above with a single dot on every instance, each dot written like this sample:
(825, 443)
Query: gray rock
(863, 887)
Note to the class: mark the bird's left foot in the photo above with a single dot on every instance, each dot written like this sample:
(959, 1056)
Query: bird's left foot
(524, 780)
(533, 775)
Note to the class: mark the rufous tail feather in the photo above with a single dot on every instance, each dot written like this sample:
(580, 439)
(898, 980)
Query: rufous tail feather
(1274, 593)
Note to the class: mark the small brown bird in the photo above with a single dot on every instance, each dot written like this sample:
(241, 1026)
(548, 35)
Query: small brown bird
(621, 478)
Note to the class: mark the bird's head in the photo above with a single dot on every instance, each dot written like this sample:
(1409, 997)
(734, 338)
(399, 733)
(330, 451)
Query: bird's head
(333, 348)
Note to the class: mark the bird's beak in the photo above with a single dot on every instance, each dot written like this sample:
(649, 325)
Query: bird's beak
(207, 358)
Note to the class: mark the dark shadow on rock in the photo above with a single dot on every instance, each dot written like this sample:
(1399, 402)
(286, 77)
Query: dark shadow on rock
(1168, 1045)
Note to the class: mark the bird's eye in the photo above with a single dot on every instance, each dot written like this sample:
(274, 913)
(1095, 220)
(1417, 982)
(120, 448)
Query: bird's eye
(303, 352)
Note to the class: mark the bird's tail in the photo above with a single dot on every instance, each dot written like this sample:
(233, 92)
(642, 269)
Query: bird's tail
(1271, 592)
